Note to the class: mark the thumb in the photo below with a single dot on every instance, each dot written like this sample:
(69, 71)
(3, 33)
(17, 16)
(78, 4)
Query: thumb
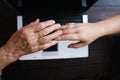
(77, 45)
(36, 21)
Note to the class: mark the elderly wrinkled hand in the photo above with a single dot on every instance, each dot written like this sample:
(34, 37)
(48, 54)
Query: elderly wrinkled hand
(31, 38)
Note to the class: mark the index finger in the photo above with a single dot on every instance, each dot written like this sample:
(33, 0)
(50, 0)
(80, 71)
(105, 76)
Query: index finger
(67, 26)
(42, 25)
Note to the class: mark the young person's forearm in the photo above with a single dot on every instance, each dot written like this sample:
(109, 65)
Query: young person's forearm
(111, 25)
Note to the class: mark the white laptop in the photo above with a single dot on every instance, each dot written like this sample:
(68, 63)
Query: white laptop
(63, 51)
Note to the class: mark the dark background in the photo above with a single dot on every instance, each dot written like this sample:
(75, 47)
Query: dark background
(103, 62)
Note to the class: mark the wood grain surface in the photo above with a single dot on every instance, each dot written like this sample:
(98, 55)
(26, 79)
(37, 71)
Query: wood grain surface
(103, 62)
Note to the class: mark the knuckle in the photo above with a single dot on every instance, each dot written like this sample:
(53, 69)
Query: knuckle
(34, 48)
(68, 31)
(31, 23)
(57, 33)
(65, 31)
(47, 30)
(43, 33)
(41, 25)
(24, 31)
(22, 34)
(45, 39)
(43, 47)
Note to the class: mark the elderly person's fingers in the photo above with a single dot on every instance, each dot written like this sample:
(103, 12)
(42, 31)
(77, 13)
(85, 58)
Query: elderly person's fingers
(41, 45)
(31, 24)
(47, 45)
(43, 25)
(49, 30)
(50, 37)
(41, 37)
(29, 31)
(37, 25)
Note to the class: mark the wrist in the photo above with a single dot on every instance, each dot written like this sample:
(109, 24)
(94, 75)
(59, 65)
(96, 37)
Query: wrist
(6, 57)
(102, 29)
(110, 25)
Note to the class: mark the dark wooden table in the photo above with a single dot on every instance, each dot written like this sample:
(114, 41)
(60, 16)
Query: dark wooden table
(103, 62)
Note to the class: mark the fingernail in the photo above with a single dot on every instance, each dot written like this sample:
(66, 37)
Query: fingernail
(53, 21)
(58, 24)
(54, 42)
(69, 46)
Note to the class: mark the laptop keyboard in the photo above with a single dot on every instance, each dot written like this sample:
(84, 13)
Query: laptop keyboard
(63, 18)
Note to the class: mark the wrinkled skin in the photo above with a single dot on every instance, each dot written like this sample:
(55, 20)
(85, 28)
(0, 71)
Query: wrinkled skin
(31, 38)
